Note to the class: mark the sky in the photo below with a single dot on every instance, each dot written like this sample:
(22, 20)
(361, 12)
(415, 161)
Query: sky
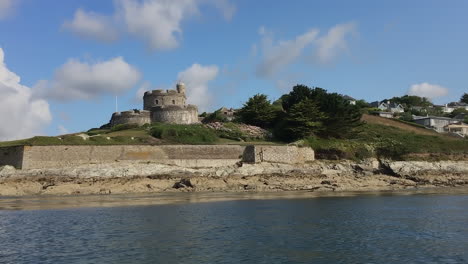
(63, 63)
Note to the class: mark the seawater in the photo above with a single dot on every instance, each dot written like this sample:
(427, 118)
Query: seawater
(421, 228)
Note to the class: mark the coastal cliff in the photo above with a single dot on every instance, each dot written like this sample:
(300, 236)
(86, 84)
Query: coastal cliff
(131, 177)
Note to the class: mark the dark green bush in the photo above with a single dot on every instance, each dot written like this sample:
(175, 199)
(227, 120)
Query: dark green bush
(121, 127)
(184, 134)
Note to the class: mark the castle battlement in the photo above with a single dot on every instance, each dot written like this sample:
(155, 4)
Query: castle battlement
(166, 106)
(132, 113)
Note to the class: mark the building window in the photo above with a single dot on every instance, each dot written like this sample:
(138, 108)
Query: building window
(157, 101)
(173, 101)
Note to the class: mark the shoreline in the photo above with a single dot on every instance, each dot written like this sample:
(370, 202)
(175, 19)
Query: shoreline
(317, 176)
(55, 202)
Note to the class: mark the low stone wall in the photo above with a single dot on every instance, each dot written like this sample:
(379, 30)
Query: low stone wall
(278, 154)
(40, 157)
(61, 156)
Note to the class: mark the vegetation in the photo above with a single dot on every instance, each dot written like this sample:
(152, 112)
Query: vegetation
(374, 140)
(409, 101)
(257, 111)
(464, 98)
(216, 116)
(183, 134)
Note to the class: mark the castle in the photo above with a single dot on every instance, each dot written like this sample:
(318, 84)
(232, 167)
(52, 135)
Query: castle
(160, 106)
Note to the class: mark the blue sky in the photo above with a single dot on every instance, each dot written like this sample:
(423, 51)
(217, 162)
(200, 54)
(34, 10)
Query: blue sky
(74, 56)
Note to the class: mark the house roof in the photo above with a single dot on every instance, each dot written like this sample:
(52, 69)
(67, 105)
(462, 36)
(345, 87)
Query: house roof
(432, 117)
(349, 98)
(455, 104)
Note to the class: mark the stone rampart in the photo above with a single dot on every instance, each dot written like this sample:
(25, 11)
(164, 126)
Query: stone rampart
(36, 157)
(139, 117)
(278, 154)
(39, 157)
(175, 114)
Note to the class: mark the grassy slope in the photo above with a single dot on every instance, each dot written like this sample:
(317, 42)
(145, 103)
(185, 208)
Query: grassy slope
(378, 137)
(389, 138)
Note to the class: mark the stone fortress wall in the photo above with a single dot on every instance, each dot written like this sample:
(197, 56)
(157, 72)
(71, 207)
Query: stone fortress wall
(164, 106)
(40, 157)
(139, 117)
(157, 98)
(175, 114)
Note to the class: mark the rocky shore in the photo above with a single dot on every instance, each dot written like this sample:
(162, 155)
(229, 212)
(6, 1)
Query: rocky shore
(317, 176)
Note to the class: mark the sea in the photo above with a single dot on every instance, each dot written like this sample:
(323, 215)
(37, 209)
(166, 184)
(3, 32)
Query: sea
(402, 227)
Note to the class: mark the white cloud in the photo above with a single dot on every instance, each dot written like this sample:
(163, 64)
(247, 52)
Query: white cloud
(93, 26)
(228, 8)
(146, 86)
(21, 115)
(6, 7)
(330, 45)
(277, 56)
(196, 79)
(428, 90)
(79, 80)
(157, 22)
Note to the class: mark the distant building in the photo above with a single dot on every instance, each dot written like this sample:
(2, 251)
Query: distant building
(437, 123)
(227, 112)
(450, 107)
(387, 106)
(160, 107)
(350, 99)
(460, 129)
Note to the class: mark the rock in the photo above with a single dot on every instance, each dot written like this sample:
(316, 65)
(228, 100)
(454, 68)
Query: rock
(183, 183)
(7, 170)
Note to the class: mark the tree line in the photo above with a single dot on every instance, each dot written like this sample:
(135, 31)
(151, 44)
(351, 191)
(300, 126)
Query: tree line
(302, 113)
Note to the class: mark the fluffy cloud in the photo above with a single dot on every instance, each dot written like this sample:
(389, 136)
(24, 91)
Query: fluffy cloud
(22, 115)
(5, 8)
(277, 56)
(156, 22)
(427, 90)
(79, 80)
(196, 78)
(92, 25)
(330, 45)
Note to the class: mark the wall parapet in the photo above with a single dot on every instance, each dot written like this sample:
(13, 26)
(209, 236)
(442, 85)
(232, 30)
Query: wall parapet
(278, 154)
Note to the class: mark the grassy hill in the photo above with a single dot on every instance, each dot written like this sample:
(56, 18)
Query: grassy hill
(377, 137)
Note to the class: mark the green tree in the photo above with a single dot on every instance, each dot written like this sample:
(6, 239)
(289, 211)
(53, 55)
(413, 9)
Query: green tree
(340, 116)
(303, 119)
(458, 111)
(257, 111)
(412, 100)
(464, 98)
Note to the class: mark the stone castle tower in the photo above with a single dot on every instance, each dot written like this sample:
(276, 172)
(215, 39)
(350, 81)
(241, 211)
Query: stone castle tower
(165, 106)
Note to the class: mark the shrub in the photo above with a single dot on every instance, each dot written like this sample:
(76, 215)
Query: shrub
(121, 127)
(184, 134)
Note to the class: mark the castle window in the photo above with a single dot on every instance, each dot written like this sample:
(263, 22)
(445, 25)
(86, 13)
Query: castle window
(173, 101)
(157, 101)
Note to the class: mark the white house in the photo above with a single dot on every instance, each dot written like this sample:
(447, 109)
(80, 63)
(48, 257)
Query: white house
(388, 107)
(437, 123)
(450, 107)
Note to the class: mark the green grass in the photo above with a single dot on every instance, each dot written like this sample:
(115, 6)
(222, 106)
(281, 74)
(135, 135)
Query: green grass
(376, 140)
(184, 134)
